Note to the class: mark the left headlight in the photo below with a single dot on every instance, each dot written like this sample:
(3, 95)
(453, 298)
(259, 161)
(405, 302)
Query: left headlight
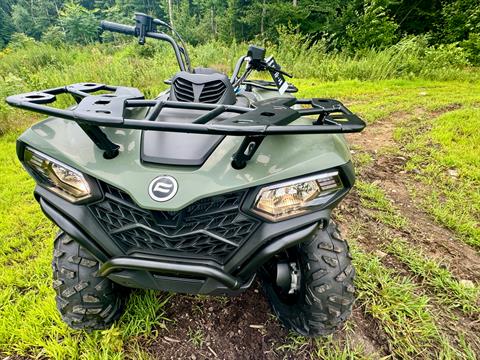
(285, 200)
(56, 176)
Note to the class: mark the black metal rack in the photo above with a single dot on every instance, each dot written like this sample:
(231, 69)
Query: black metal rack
(267, 117)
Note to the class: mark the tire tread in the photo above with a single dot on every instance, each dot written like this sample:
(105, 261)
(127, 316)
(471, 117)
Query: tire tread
(328, 292)
(84, 300)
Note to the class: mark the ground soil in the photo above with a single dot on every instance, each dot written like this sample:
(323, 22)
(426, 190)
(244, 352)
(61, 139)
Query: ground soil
(243, 327)
(231, 328)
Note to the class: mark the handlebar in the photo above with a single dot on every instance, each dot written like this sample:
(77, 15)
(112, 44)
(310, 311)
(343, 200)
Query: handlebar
(119, 28)
(146, 27)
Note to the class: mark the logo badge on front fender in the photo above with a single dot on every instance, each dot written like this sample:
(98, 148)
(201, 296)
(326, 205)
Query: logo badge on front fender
(163, 188)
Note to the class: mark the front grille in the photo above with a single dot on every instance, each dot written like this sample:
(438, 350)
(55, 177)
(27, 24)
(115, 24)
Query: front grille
(210, 228)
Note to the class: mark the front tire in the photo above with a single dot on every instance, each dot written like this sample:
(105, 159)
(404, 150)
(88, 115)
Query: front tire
(325, 295)
(84, 300)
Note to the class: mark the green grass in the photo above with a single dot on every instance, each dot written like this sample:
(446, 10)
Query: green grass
(445, 155)
(378, 100)
(325, 348)
(374, 198)
(437, 277)
(397, 303)
(196, 337)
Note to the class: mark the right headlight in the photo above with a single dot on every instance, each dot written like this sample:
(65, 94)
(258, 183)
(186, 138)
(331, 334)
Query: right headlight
(284, 200)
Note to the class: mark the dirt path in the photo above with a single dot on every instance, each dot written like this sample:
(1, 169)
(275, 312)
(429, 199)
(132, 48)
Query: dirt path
(226, 328)
(387, 171)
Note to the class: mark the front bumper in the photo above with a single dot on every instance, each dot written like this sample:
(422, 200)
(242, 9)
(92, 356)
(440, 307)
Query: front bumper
(179, 272)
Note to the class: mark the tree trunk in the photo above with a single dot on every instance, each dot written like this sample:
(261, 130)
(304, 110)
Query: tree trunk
(295, 2)
(212, 15)
(170, 12)
(262, 21)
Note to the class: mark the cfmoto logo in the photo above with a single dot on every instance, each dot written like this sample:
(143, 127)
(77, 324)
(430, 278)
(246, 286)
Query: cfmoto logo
(163, 188)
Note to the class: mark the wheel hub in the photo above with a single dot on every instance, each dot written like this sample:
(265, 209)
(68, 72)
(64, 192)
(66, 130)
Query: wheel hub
(288, 277)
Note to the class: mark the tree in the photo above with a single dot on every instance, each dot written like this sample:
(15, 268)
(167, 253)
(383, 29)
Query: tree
(34, 17)
(460, 18)
(80, 24)
(6, 28)
(371, 27)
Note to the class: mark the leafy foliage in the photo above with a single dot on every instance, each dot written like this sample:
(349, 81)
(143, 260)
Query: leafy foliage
(80, 24)
(355, 25)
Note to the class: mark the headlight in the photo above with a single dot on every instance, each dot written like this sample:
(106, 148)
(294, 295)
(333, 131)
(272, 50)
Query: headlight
(288, 199)
(59, 178)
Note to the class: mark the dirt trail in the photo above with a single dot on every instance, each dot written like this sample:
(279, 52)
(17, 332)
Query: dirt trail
(439, 243)
(226, 328)
(387, 171)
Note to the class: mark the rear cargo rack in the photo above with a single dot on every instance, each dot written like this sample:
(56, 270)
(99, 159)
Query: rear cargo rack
(268, 117)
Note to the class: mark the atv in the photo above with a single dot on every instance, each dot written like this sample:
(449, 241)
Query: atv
(214, 182)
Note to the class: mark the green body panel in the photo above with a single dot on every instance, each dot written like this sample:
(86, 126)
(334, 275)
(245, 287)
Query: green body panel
(279, 157)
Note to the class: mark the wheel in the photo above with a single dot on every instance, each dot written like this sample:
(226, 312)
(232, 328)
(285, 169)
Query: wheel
(310, 287)
(84, 300)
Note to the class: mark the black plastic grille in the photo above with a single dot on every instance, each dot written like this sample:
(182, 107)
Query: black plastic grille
(209, 228)
(183, 90)
(212, 92)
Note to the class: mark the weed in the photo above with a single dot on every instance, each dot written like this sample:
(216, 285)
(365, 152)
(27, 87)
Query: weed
(196, 337)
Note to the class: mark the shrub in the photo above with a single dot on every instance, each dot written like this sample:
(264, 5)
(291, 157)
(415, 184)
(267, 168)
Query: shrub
(54, 36)
(472, 48)
(21, 41)
(80, 24)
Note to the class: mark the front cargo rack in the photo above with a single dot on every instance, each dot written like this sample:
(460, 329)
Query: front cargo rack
(109, 108)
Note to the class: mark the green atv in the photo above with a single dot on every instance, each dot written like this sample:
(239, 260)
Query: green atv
(197, 191)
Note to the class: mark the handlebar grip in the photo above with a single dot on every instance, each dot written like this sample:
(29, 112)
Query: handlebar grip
(119, 28)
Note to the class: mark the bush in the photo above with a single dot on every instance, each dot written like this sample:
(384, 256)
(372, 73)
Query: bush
(373, 29)
(9, 85)
(21, 41)
(80, 24)
(54, 36)
(472, 48)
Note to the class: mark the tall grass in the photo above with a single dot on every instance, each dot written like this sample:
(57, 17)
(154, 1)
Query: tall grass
(29, 65)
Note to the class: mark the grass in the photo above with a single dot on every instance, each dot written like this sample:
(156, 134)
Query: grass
(398, 305)
(445, 157)
(327, 348)
(25, 68)
(196, 337)
(373, 197)
(436, 276)
(438, 135)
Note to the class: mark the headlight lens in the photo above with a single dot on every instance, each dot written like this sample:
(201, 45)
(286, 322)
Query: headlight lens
(285, 200)
(59, 178)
